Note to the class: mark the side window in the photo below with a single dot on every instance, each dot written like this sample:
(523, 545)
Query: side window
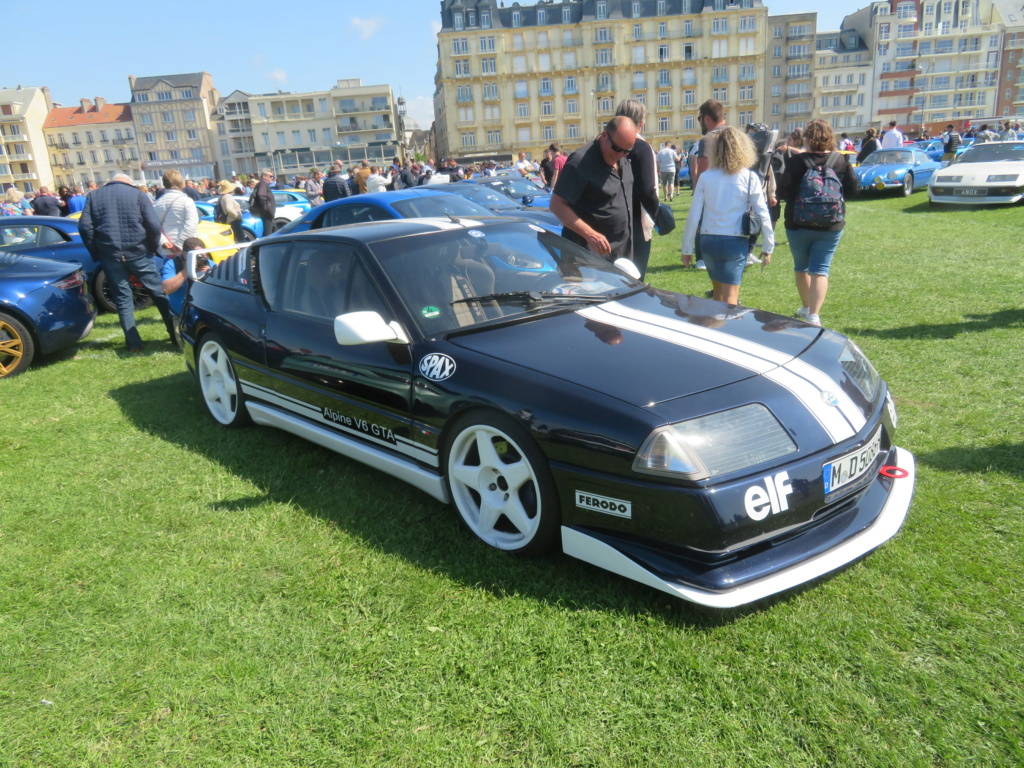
(283, 198)
(20, 238)
(324, 280)
(271, 258)
(51, 236)
(353, 214)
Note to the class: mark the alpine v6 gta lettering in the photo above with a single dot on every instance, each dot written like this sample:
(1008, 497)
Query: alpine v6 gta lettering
(719, 454)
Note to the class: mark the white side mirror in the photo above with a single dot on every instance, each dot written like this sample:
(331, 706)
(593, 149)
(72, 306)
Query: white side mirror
(366, 328)
(627, 266)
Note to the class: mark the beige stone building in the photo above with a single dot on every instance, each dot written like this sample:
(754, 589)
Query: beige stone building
(23, 158)
(843, 81)
(518, 78)
(233, 140)
(91, 142)
(293, 132)
(171, 116)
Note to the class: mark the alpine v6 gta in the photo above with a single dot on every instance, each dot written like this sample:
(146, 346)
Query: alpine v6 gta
(720, 454)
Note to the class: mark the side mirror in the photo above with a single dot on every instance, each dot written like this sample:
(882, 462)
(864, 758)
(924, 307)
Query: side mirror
(527, 199)
(627, 266)
(366, 328)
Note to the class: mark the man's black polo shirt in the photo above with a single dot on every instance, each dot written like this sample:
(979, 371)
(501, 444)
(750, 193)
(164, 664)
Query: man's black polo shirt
(600, 195)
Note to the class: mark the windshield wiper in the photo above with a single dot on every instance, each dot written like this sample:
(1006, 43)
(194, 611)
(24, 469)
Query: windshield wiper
(531, 297)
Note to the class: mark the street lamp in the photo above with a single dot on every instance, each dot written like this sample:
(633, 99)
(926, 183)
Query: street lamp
(402, 110)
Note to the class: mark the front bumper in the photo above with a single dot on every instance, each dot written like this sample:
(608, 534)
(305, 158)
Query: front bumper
(780, 566)
(945, 196)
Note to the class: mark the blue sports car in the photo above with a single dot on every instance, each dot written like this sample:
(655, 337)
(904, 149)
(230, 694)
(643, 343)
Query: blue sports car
(44, 307)
(414, 203)
(502, 205)
(518, 188)
(903, 169)
(931, 147)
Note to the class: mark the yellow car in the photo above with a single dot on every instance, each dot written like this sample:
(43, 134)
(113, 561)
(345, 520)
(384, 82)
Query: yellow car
(210, 232)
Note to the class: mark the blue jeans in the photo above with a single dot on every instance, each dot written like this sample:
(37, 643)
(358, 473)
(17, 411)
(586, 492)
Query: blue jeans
(117, 275)
(813, 249)
(725, 256)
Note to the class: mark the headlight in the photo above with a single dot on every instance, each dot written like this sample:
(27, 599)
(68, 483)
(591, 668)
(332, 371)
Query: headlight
(893, 175)
(948, 179)
(715, 444)
(1002, 177)
(860, 369)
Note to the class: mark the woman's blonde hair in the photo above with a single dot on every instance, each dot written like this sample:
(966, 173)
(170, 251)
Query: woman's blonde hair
(173, 179)
(13, 195)
(820, 137)
(733, 151)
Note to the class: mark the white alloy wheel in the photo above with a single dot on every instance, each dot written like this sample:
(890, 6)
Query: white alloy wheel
(217, 381)
(500, 485)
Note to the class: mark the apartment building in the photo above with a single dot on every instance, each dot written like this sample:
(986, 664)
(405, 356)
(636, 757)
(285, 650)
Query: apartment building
(232, 128)
(843, 72)
(294, 132)
(789, 79)
(171, 117)
(90, 142)
(23, 159)
(517, 78)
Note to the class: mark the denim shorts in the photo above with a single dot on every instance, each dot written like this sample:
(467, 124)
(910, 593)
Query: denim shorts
(812, 249)
(725, 256)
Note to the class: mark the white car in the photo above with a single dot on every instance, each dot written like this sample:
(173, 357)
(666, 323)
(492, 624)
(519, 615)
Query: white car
(284, 214)
(991, 173)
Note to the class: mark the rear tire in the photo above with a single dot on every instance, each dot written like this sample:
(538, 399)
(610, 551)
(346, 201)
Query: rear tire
(104, 295)
(17, 347)
(278, 223)
(220, 388)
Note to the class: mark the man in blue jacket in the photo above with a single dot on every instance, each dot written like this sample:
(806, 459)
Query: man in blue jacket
(120, 229)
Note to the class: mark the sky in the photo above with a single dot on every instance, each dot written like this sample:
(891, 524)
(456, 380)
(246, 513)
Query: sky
(87, 50)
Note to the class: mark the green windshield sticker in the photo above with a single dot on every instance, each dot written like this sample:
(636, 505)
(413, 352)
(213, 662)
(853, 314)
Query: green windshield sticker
(430, 312)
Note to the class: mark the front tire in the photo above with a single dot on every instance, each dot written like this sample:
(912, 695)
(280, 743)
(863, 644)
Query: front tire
(908, 185)
(278, 223)
(16, 347)
(222, 393)
(104, 294)
(500, 484)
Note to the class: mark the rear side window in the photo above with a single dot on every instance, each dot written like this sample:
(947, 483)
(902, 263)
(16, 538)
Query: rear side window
(353, 214)
(20, 238)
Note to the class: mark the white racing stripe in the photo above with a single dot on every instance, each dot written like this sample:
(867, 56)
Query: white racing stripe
(765, 361)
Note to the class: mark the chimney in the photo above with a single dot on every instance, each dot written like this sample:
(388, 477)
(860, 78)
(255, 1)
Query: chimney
(100, 102)
(131, 82)
(86, 104)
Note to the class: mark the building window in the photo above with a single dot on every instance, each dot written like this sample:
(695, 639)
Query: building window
(602, 10)
(462, 67)
(489, 66)
(517, 19)
(663, 52)
(146, 118)
(547, 133)
(664, 124)
(186, 94)
(154, 156)
(167, 117)
(458, 22)
(638, 33)
(494, 137)
(470, 18)
(465, 93)
(662, 30)
(572, 131)
(149, 138)
(142, 97)
(542, 16)
(523, 109)
(491, 92)
(661, 8)
(460, 45)
(487, 44)
(545, 86)
(193, 134)
(664, 99)
(572, 107)
(163, 95)
(664, 78)
(172, 136)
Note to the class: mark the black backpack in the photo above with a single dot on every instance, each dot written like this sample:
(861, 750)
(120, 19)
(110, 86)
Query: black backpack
(764, 142)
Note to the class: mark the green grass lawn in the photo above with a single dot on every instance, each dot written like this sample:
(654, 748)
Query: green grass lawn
(175, 594)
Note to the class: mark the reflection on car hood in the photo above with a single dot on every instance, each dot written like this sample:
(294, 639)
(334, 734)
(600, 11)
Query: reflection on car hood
(650, 347)
(973, 173)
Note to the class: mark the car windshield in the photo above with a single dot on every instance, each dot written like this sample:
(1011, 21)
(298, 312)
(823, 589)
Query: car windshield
(488, 198)
(516, 269)
(439, 205)
(885, 156)
(1003, 151)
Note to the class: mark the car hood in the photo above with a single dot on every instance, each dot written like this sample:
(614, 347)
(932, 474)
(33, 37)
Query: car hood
(15, 266)
(977, 173)
(872, 171)
(538, 216)
(648, 348)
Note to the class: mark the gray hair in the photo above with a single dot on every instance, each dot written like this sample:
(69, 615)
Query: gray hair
(122, 177)
(634, 109)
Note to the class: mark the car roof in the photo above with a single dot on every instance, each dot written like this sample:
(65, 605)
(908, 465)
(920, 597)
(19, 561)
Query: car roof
(376, 231)
(70, 225)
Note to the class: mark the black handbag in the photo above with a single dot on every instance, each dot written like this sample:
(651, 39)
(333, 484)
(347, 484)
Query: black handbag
(751, 223)
(665, 221)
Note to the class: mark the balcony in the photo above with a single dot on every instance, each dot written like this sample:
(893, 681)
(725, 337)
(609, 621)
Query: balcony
(24, 158)
(11, 119)
(799, 56)
(798, 36)
(800, 76)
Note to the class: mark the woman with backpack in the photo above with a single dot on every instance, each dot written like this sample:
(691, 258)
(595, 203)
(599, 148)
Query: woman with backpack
(727, 195)
(815, 185)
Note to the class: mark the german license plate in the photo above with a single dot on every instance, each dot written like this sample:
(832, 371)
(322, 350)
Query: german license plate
(969, 191)
(852, 466)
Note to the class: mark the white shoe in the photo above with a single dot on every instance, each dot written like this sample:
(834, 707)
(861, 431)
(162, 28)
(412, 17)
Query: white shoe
(700, 264)
(814, 320)
(803, 312)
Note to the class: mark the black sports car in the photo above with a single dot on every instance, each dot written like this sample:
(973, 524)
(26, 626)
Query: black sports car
(718, 453)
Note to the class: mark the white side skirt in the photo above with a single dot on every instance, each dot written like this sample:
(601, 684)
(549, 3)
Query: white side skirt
(894, 512)
(392, 465)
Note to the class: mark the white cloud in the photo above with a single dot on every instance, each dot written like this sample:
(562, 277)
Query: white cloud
(278, 76)
(420, 112)
(365, 27)
(435, 26)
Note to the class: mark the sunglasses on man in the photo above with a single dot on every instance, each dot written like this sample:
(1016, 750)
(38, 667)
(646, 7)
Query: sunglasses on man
(616, 148)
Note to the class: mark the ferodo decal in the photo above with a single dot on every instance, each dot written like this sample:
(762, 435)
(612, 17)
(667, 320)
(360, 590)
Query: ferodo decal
(609, 506)
(772, 497)
(437, 367)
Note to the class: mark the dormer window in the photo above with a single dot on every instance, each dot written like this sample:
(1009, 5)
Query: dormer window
(471, 18)
(517, 19)
(457, 21)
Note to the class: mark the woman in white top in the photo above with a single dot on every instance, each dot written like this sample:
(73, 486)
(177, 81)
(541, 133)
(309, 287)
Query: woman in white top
(722, 197)
(178, 216)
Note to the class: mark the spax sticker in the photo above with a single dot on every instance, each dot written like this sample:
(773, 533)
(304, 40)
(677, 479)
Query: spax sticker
(437, 367)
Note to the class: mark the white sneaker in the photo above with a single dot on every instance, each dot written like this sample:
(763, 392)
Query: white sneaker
(814, 320)
(700, 264)
(803, 312)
